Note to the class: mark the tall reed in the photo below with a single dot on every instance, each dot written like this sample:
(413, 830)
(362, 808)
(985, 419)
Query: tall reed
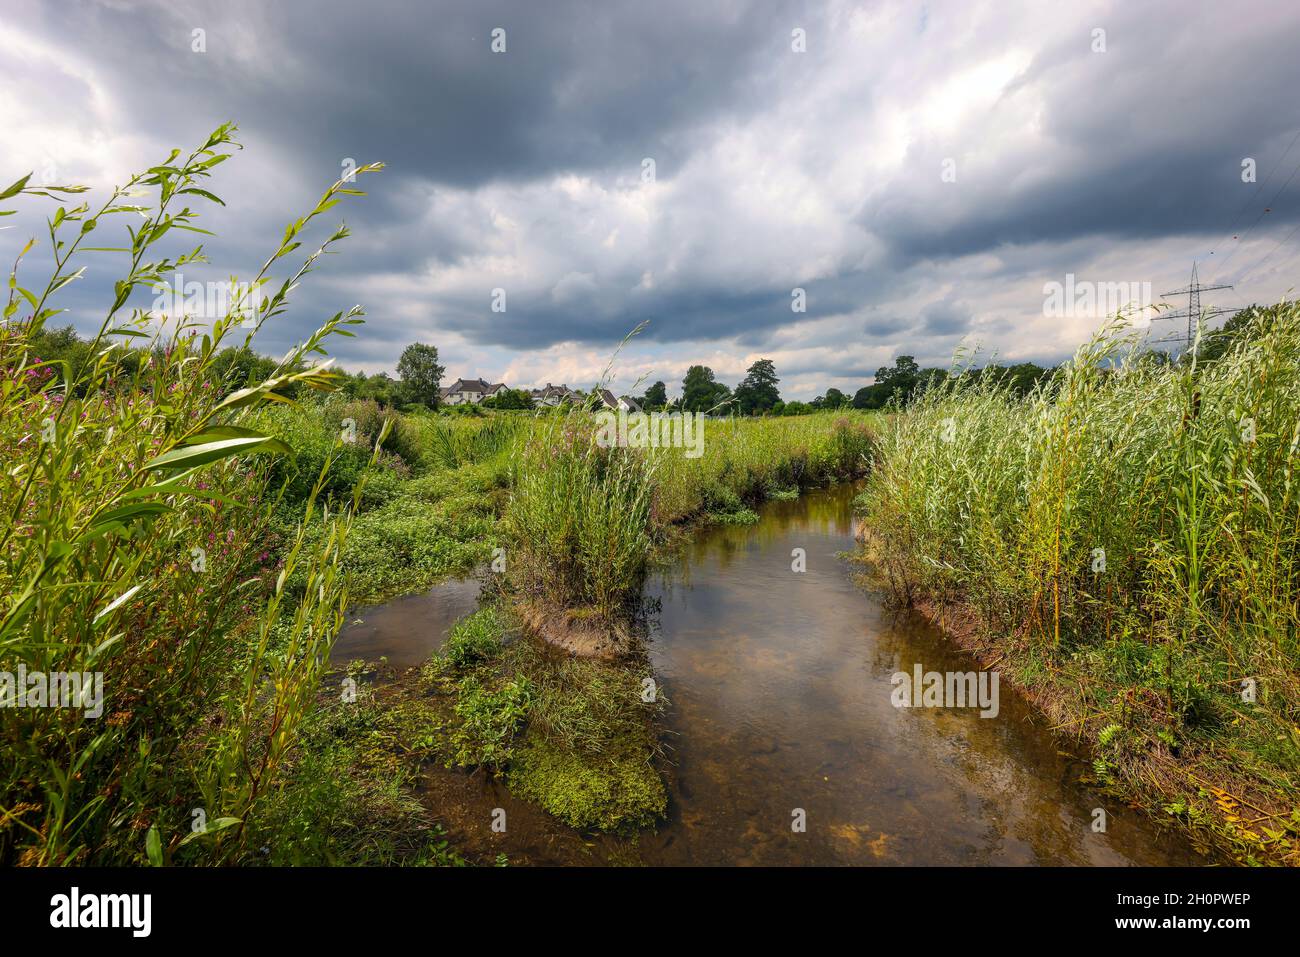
(579, 515)
(1130, 524)
(135, 498)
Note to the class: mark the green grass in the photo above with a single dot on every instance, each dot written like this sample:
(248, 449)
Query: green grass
(1186, 477)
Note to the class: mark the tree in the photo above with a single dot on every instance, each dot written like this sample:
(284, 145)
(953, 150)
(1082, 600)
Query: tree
(871, 396)
(655, 398)
(701, 392)
(757, 392)
(835, 399)
(898, 381)
(509, 399)
(901, 377)
(420, 373)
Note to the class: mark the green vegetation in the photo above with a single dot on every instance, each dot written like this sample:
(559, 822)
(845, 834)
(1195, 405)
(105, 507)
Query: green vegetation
(136, 497)
(579, 517)
(350, 794)
(420, 373)
(578, 524)
(590, 750)
(194, 520)
(1125, 538)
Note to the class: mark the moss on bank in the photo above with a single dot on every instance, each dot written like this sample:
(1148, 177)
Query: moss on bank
(613, 792)
(573, 735)
(589, 754)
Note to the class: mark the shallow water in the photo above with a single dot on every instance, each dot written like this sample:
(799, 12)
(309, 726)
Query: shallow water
(780, 690)
(405, 630)
(780, 684)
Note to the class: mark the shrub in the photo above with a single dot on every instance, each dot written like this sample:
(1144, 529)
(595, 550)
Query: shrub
(134, 514)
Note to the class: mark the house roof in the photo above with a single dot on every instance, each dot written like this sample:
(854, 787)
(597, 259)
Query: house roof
(473, 385)
(555, 391)
(611, 401)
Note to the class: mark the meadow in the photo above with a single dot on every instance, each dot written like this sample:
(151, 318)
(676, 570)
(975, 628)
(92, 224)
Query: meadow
(1121, 543)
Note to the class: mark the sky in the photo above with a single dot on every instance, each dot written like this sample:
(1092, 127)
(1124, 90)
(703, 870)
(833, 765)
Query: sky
(916, 174)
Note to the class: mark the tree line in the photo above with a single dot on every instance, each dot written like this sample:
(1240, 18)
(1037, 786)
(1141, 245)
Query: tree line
(419, 377)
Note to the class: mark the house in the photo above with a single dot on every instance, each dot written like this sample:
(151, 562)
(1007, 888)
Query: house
(553, 395)
(464, 391)
(620, 403)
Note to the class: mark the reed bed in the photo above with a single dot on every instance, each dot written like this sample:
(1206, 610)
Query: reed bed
(583, 520)
(1126, 539)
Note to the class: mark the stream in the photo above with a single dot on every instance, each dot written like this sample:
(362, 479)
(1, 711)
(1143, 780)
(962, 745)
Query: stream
(779, 685)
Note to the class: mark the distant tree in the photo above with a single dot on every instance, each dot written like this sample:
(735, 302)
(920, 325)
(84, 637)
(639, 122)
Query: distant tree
(1219, 342)
(757, 392)
(655, 398)
(420, 373)
(900, 382)
(871, 396)
(240, 367)
(509, 399)
(796, 408)
(835, 399)
(1024, 376)
(902, 375)
(926, 379)
(701, 392)
(380, 387)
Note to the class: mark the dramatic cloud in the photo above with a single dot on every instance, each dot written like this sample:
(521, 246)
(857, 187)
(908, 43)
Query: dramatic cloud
(920, 172)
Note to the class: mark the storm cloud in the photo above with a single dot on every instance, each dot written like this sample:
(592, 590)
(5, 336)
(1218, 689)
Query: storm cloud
(919, 171)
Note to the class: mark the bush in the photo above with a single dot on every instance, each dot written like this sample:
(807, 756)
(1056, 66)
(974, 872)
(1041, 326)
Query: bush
(137, 508)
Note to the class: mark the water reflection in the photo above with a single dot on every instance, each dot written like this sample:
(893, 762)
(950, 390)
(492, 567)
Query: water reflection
(406, 630)
(780, 683)
(780, 690)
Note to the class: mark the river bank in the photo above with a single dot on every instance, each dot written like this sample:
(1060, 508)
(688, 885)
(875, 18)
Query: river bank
(1123, 542)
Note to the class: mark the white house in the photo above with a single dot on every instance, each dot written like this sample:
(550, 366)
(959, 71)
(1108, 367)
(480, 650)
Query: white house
(464, 391)
(553, 395)
(622, 403)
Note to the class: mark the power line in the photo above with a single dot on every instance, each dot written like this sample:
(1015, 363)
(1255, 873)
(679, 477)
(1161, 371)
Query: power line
(1250, 199)
(1267, 209)
(1284, 241)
